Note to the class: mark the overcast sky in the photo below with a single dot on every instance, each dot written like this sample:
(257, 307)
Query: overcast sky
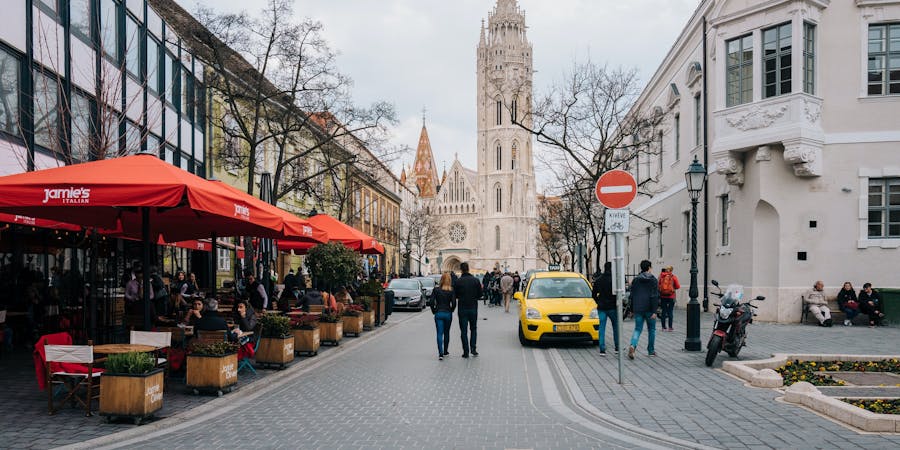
(421, 53)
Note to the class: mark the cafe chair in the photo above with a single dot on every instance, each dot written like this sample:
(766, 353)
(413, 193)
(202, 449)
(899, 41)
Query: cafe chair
(71, 367)
(245, 354)
(161, 340)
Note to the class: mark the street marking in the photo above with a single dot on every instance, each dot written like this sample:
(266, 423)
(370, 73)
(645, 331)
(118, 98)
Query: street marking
(615, 189)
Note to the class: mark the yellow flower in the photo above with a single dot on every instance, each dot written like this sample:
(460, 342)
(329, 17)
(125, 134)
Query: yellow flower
(813, 363)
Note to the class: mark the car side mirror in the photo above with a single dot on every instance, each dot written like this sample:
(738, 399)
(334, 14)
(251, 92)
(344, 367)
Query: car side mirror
(518, 296)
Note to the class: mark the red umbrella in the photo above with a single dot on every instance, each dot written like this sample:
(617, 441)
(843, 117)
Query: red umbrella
(295, 228)
(40, 223)
(340, 232)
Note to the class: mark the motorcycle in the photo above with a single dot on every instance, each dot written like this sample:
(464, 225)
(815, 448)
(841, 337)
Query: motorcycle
(730, 328)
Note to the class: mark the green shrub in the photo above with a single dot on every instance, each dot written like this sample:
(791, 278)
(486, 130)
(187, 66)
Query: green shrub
(214, 349)
(275, 326)
(135, 363)
(332, 265)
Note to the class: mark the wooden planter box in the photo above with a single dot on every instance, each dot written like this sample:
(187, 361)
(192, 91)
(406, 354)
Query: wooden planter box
(133, 396)
(275, 351)
(368, 320)
(353, 325)
(307, 342)
(331, 333)
(211, 373)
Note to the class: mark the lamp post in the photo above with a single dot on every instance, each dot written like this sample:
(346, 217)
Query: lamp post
(695, 178)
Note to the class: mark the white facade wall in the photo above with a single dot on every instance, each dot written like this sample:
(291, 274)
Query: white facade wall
(795, 167)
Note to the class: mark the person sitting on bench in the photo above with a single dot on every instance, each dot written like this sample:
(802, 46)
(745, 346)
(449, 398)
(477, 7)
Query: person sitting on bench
(817, 304)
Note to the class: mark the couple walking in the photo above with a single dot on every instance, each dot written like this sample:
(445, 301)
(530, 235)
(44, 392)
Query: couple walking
(445, 298)
(645, 299)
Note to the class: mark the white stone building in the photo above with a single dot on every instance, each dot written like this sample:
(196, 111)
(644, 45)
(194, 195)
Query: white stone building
(489, 213)
(803, 115)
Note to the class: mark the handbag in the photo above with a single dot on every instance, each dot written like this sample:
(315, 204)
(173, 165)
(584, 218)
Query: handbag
(852, 304)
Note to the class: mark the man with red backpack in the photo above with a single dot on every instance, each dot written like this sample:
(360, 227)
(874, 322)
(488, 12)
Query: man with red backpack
(668, 284)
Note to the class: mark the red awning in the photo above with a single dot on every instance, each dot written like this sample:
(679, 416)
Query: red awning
(337, 232)
(295, 228)
(40, 223)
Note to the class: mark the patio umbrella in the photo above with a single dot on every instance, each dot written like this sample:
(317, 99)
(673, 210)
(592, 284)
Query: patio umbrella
(338, 232)
(39, 223)
(141, 195)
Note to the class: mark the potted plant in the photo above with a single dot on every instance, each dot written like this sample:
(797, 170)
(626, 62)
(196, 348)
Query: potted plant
(332, 265)
(276, 344)
(132, 386)
(331, 328)
(212, 367)
(352, 320)
(306, 334)
(372, 291)
(368, 314)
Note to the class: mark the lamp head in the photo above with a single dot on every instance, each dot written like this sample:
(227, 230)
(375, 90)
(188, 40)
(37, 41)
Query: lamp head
(695, 178)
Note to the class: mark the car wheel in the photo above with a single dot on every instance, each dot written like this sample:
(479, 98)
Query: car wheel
(522, 340)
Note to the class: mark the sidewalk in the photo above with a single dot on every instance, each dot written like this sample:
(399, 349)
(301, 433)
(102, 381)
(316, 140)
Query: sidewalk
(676, 394)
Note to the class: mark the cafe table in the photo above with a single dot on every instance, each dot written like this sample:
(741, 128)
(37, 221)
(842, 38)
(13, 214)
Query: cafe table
(108, 349)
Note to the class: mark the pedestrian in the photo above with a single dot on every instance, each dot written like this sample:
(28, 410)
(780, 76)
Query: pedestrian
(443, 304)
(644, 301)
(468, 291)
(290, 280)
(259, 300)
(517, 282)
(506, 289)
(870, 305)
(668, 285)
(817, 304)
(848, 303)
(486, 286)
(192, 287)
(606, 306)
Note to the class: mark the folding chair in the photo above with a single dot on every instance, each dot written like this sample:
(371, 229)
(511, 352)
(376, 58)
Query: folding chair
(161, 340)
(244, 363)
(78, 358)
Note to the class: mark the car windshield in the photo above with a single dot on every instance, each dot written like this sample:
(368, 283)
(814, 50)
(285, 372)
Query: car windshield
(559, 288)
(404, 284)
(427, 282)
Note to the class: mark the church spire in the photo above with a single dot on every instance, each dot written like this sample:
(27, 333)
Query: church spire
(424, 170)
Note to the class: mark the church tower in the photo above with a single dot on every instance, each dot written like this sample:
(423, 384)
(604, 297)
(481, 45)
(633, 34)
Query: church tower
(507, 224)
(424, 170)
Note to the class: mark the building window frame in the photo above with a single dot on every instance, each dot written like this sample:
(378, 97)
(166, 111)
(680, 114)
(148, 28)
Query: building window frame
(677, 128)
(809, 58)
(76, 31)
(879, 75)
(686, 221)
(13, 125)
(739, 70)
(499, 112)
(724, 230)
(887, 207)
(698, 120)
(499, 157)
(777, 62)
(223, 259)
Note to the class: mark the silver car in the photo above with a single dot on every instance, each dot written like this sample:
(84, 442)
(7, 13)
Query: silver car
(408, 293)
(428, 283)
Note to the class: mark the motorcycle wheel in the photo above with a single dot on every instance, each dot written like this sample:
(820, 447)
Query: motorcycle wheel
(737, 348)
(713, 349)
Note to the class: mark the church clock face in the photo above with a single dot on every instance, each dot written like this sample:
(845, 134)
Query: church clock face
(457, 232)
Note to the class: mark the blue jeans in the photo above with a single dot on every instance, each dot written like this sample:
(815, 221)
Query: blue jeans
(850, 312)
(442, 321)
(639, 319)
(611, 314)
(468, 321)
(668, 311)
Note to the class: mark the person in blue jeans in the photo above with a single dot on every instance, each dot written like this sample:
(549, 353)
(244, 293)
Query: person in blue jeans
(606, 306)
(644, 301)
(443, 303)
(468, 291)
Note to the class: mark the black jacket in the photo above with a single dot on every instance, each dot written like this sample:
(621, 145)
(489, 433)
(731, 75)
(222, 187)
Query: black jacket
(211, 321)
(603, 292)
(468, 291)
(246, 323)
(645, 293)
(442, 301)
(844, 296)
(312, 297)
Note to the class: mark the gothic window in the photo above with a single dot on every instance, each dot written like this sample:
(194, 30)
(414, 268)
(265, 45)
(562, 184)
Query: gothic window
(499, 157)
(497, 237)
(513, 111)
(498, 194)
(513, 157)
(499, 112)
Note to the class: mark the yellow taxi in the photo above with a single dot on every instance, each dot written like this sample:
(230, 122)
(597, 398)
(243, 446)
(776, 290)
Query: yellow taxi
(557, 307)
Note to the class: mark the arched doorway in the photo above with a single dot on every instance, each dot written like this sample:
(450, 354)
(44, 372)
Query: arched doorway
(451, 264)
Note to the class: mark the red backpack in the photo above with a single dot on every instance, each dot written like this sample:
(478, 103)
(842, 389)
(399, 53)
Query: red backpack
(667, 285)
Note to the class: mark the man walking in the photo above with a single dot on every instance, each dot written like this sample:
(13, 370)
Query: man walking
(506, 288)
(468, 291)
(606, 306)
(644, 301)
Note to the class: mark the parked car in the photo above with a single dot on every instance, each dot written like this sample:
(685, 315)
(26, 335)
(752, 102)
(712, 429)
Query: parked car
(557, 307)
(408, 293)
(428, 283)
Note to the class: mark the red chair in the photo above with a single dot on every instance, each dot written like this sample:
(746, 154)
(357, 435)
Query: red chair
(70, 367)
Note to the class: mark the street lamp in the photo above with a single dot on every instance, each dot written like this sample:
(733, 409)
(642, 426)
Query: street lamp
(695, 178)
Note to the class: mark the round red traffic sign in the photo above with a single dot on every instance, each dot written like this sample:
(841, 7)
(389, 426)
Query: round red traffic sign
(616, 189)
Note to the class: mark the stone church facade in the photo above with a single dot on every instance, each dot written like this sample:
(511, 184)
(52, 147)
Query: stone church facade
(488, 214)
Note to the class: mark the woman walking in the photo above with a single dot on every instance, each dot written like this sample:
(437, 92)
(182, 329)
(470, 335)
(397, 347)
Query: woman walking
(443, 303)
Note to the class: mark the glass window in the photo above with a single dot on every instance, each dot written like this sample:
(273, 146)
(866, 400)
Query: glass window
(723, 220)
(46, 110)
(80, 19)
(659, 240)
(10, 88)
(132, 138)
(512, 159)
(153, 65)
(187, 85)
(132, 47)
(884, 59)
(660, 156)
(49, 5)
(499, 158)
(649, 244)
(200, 106)
(686, 218)
(677, 137)
(559, 288)
(108, 14)
(698, 120)
(223, 259)
(108, 141)
(499, 112)
(153, 142)
(739, 71)
(809, 58)
(884, 208)
(499, 197)
(173, 81)
(513, 111)
(81, 127)
(777, 60)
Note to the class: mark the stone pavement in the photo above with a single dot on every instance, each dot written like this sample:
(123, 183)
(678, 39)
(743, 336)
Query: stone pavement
(676, 395)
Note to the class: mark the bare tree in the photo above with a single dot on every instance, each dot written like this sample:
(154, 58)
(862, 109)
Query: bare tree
(424, 234)
(552, 239)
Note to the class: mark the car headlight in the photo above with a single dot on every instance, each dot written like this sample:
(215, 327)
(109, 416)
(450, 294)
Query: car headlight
(531, 313)
(414, 299)
(594, 314)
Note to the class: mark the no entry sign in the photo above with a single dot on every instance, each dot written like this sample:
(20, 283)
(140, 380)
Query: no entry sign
(616, 189)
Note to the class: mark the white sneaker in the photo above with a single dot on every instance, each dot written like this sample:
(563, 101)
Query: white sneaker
(846, 322)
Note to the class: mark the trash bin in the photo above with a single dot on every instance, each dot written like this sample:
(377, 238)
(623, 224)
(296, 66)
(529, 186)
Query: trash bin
(388, 303)
(891, 299)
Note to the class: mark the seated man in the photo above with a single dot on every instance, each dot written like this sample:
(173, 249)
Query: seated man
(312, 297)
(815, 301)
(870, 304)
(211, 320)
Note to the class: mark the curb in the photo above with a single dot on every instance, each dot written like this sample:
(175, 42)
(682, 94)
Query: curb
(230, 402)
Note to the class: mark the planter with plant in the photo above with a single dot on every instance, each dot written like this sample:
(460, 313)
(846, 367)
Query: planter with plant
(373, 292)
(368, 314)
(212, 367)
(276, 344)
(306, 334)
(331, 328)
(132, 386)
(352, 320)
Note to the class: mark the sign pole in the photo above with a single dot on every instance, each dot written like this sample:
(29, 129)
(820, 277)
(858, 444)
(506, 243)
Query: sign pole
(619, 286)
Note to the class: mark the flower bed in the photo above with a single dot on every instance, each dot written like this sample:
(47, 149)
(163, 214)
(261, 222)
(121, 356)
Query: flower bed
(810, 371)
(878, 406)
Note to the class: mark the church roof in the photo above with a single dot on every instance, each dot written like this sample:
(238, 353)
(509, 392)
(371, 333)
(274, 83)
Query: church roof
(424, 169)
(403, 175)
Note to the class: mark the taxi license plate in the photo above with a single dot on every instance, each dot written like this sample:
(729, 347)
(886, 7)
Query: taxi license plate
(572, 327)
